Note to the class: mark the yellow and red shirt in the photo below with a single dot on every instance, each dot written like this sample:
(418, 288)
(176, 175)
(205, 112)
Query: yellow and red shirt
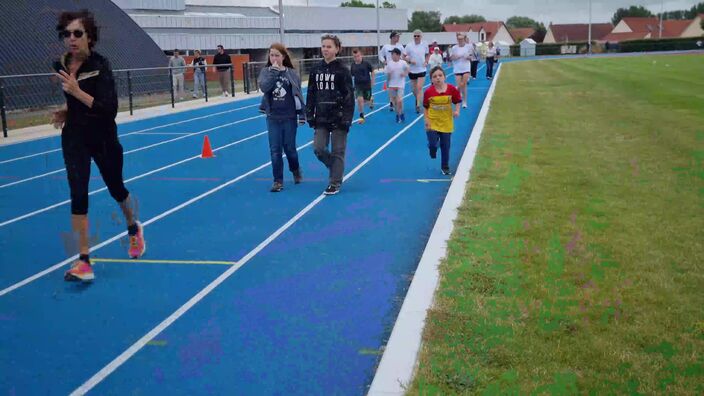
(439, 105)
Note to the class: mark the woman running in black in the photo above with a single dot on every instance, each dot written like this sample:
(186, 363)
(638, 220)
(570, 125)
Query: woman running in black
(89, 132)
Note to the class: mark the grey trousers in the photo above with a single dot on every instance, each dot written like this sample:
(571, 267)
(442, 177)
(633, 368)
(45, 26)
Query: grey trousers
(333, 159)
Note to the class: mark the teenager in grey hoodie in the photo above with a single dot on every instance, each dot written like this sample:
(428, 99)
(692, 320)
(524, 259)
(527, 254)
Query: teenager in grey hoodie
(283, 104)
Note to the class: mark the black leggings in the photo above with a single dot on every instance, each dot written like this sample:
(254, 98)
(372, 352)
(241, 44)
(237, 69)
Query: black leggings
(107, 155)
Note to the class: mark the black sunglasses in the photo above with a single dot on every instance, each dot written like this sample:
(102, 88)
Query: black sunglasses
(67, 33)
(416, 35)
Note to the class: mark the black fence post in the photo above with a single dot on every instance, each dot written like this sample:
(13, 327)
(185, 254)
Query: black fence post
(232, 79)
(245, 78)
(205, 84)
(129, 90)
(2, 109)
(171, 79)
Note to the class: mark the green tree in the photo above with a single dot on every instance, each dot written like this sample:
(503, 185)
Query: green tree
(694, 11)
(632, 11)
(674, 14)
(357, 3)
(521, 22)
(427, 21)
(540, 32)
(386, 4)
(463, 19)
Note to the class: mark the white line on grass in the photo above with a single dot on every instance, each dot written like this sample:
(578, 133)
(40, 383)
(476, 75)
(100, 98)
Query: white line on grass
(396, 368)
(134, 348)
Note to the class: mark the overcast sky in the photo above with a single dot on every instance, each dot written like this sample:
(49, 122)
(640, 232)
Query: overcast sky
(546, 11)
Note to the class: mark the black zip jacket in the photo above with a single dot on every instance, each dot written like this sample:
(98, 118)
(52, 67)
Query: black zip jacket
(330, 100)
(95, 78)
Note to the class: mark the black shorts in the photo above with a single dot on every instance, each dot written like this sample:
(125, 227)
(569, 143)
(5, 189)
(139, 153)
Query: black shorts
(415, 76)
(461, 74)
(364, 92)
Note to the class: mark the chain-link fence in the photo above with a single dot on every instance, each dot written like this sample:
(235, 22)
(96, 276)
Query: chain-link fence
(251, 70)
(29, 99)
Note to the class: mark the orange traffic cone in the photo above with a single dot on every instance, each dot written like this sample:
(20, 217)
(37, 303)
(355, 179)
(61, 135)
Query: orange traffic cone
(207, 150)
(384, 86)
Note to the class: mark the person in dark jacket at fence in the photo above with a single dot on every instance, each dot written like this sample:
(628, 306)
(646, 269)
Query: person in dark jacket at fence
(221, 58)
(329, 110)
(89, 132)
(283, 104)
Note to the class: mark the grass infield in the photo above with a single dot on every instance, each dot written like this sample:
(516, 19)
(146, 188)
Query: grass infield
(577, 261)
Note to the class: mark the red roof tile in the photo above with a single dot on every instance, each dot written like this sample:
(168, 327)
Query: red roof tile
(617, 37)
(642, 24)
(522, 33)
(580, 31)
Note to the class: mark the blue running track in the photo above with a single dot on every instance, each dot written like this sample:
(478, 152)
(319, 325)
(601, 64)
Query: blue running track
(241, 291)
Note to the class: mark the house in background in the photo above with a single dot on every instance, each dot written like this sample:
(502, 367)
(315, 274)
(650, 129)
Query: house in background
(638, 28)
(576, 32)
(495, 31)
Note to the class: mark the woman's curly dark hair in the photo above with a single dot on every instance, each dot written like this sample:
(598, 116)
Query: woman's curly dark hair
(87, 19)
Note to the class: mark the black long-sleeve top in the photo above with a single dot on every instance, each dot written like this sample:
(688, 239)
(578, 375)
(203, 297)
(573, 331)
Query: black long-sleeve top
(96, 79)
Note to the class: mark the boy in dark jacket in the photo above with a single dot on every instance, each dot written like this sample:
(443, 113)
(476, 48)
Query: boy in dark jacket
(329, 110)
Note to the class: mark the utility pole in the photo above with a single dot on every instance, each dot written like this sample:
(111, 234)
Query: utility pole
(281, 21)
(589, 44)
(378, 30)
(662, 12)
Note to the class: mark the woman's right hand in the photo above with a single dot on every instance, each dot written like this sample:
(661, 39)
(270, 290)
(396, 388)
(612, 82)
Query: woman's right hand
(58, 118)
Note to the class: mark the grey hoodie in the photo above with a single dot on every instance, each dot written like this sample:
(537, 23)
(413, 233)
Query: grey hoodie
(267, 84)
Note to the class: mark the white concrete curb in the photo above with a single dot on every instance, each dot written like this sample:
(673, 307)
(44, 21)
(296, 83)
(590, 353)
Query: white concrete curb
(398, 364)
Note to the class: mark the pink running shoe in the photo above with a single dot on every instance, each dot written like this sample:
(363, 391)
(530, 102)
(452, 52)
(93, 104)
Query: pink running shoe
(137, 243)
(80, 271)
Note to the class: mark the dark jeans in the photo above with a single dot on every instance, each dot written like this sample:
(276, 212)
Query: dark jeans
(444, 139)
(473, 69)
(490, 66)
(282, 139)
(107, 154)
(335, 159)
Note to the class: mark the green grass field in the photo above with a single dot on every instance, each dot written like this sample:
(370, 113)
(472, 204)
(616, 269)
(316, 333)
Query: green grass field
(577, 261)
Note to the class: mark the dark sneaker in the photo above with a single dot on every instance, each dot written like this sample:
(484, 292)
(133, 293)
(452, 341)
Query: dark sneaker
(297, 176)
(417, 109)
(391, 106)
(446, 171)
(361, 118)
(277, 187)
(398, 119)
(331, 190)
(371, 103)
(403, 118)
(433, 152)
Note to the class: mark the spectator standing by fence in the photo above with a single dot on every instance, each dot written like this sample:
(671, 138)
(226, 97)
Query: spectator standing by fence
(199, 63)
(178, 68)
(221, 58)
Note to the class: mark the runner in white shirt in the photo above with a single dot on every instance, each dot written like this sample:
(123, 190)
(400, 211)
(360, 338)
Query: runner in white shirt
(491, 57)
(460, 55)
(416, 55)
(435, 59)
(396, 71)
(385, 57)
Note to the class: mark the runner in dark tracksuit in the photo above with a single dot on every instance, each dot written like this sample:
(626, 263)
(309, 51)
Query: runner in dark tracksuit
(89, 133)
(329, 110)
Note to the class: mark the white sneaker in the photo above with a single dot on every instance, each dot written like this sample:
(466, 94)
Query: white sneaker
(464, 105)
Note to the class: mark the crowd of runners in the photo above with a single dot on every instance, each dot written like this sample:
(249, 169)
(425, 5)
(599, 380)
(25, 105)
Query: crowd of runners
(89, 131)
